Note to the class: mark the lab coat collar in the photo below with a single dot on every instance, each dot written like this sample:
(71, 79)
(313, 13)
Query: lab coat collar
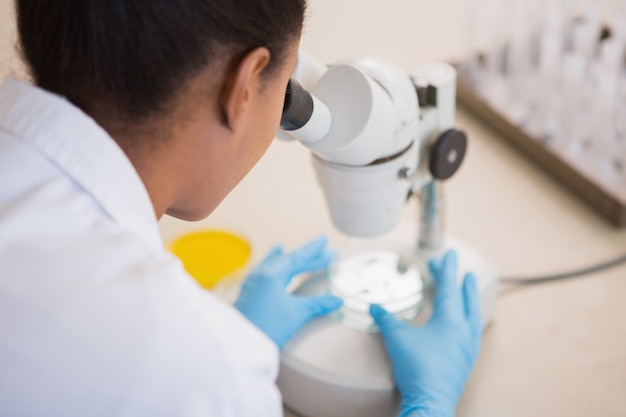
(78, 146)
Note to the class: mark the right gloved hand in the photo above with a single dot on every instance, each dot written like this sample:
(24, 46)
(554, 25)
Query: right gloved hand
(432, 363)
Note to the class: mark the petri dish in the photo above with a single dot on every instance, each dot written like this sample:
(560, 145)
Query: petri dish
(385, 274)
(212, 256)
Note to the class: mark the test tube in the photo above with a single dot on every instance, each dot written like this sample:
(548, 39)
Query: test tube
(620, 139)
(617, 20)
(494, 89)
(618, 30)
(546, 104)
(607, 76)
(551, 45)
(517, 71)
(567, 9)
(573, 118)
(471, 65)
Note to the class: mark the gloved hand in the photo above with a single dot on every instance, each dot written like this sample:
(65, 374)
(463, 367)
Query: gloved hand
(264, 301)
(431, 363)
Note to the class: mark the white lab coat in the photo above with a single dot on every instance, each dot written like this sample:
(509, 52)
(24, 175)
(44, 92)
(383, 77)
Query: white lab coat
(96, 319)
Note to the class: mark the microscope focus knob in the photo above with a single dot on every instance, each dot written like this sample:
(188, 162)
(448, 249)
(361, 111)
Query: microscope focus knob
(447, 154)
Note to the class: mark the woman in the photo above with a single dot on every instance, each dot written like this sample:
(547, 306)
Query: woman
(140, 109)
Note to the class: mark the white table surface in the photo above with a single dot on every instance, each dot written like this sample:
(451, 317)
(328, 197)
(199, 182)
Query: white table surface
(554, 350)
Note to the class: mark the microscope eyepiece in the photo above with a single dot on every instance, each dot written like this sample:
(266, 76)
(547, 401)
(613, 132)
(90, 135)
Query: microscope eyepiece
(298, 107)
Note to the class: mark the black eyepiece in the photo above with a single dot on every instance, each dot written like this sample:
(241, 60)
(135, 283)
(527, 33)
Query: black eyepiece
(298, 107)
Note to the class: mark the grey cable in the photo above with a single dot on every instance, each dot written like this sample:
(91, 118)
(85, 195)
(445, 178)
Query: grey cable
(566, 275)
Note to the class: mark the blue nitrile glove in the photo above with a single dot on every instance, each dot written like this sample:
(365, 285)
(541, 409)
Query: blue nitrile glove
(264, 301)
(431, 363)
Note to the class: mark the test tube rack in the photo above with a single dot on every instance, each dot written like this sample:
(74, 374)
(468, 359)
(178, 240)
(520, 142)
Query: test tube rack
(556, 90)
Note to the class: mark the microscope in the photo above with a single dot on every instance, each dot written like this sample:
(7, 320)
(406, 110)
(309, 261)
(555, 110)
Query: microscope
(378, 136)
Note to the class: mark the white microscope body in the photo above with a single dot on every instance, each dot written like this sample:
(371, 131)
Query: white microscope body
(377, 136)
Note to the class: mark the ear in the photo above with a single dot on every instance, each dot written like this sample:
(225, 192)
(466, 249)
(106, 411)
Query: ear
(241, 84)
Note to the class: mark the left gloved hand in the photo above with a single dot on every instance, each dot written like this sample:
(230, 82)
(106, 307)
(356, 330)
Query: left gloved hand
(266, 303)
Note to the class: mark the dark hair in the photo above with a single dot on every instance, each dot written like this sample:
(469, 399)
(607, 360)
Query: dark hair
(133, 56)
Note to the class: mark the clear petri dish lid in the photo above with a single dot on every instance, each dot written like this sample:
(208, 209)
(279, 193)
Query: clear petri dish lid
(378, 273)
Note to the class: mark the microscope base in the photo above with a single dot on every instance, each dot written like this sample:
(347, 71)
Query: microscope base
(332, 370)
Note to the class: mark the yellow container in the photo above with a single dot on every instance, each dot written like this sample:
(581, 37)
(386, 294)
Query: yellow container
(212, 255)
